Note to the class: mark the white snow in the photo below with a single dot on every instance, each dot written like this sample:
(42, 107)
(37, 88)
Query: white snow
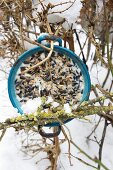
(67, 108)
(71, 15)
(46, 110)
(38, 84)
(42, 56)
(31, 105)
(49, 100)
(55, 104)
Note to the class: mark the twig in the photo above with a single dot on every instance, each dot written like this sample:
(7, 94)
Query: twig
(52, 47)
(43, 61)
(61, 3)
(79, 43)
(107, 94)
(107, 38)
(93, 102)
(97, 46)
(89, 157)
(69, 146)
(63, 10)
(36, 43)
(3, 133)
(57, 149)
(50, 53)
(83, 46)
(21, 33)
(102, 142)
(111, 86)
(84, 162)
(29, 31)
(104, 82)
(95, 127)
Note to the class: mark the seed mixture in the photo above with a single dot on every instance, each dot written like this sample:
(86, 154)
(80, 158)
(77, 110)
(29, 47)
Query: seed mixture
(59, 78)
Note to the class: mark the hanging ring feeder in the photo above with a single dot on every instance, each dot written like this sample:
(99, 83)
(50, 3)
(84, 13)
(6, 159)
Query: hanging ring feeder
(39, 50)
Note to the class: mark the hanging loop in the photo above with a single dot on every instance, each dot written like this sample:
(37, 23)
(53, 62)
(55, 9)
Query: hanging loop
(50, 37)
(49, 135)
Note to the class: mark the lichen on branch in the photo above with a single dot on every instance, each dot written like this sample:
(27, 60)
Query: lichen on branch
(42, 118)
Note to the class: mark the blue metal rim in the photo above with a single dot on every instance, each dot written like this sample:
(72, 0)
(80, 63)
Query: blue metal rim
(27, 54)
(50, 37)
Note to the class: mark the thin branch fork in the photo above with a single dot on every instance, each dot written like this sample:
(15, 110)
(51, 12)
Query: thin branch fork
(89, 157)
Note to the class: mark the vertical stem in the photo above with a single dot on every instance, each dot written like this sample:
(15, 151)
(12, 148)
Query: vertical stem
(57, 148)
(102, 143)
(107, 36)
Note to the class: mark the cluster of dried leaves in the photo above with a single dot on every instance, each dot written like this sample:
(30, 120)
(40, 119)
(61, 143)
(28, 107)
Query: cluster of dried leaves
(18, 25)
